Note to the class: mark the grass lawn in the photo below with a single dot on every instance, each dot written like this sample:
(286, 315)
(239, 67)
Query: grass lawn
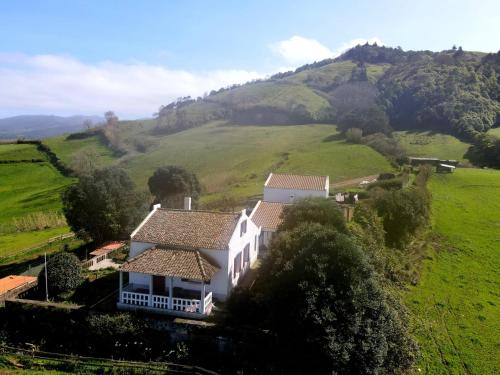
(495, 132)
(429, 144)
(19, 152)
(237, 159)
(27, 188)
(66, 149)
(455, 306)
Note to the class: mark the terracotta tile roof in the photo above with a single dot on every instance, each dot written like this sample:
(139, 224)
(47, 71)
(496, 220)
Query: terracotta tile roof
(14, 281)
(188, 229)
(109, 247)
(293, 181)
(189, 264)
(267, 214)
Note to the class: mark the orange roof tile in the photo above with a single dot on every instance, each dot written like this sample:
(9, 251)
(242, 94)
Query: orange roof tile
(267, 214)
(292, 181)
(189, 264)
(14, 281)
(188, 229)
(109, 247)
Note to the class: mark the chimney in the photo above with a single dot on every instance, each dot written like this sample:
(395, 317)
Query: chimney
(156, 206)
(187, 203)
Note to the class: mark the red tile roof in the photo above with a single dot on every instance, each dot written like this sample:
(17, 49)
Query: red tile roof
(189, 264)
(188, 229)
(109, 247)
(292, 181)
(267, 215)
(14, 281)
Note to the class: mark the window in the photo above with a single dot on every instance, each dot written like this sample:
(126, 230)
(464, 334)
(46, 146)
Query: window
(243, 228)
(246, 253)
(237, 265)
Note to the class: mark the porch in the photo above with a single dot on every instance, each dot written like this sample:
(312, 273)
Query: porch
(174, 301)
(168, 281)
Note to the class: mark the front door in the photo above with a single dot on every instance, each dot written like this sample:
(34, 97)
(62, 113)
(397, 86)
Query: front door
(159, 285)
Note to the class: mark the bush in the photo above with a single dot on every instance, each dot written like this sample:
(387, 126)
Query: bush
(392, 184)
(354, 135)
(63, 273)
(313, 210)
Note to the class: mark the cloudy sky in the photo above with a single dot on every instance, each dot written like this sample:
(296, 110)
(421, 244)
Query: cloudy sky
(85, 57)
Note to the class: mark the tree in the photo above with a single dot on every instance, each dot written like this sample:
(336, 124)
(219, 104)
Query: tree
(111, 130)
(170, 184)
(313, 210)
(85, 162)
(326, 307)
(354, 135)
(63, 273)
(403, 212)
(103, 205)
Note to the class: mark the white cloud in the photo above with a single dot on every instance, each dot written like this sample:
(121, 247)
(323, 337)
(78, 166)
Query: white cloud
(298, 50)
(64, 85)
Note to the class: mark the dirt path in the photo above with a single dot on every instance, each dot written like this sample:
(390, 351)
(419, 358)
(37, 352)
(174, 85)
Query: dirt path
(354, 181)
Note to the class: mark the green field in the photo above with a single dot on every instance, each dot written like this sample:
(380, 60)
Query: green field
(495, 132)
(455, 306)
(429, 144)
(27, 188)
(237, 159)
(19, 152)
(67, 149)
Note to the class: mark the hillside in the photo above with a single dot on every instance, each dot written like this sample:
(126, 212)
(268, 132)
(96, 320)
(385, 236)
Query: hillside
(453, 91)
(30, 213)
(455, 304)
(42, 126)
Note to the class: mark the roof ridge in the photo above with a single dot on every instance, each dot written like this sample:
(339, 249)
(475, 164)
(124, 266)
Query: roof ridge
(300, 175)
(200, 264)
(202, 211)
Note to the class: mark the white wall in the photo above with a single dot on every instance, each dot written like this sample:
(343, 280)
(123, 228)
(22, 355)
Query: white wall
(289, 195)
(266, 236)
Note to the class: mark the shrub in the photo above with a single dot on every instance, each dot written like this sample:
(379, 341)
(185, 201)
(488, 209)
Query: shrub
(354, 135)
(63, 273)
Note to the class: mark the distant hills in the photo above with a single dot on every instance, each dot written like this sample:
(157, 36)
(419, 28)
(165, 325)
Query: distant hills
(377, 89)
(42, 126)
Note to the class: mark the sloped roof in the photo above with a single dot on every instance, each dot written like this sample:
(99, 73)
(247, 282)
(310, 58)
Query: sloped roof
(188, 229)
(267, 214)
(189, 264)
(293, 181)
(109, 247)
(14, 281)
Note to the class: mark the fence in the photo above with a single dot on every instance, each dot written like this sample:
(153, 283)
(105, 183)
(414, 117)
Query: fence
(162, 367)
(37, 246)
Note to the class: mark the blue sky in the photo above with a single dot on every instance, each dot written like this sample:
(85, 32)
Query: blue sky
(68, 57)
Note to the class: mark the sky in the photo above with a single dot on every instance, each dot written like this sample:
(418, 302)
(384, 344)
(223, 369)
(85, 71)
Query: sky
(86, 57)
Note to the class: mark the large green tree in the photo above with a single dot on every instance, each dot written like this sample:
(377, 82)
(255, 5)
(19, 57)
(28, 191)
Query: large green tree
(63, 273)
(170, 184)
(326, 308)
(103, 205)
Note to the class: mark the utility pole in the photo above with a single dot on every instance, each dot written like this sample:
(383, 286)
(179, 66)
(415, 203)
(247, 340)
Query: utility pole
(46, 282)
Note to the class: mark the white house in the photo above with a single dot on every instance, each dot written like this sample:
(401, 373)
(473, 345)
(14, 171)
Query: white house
(285, 188)
(180, 261)
(267, 216)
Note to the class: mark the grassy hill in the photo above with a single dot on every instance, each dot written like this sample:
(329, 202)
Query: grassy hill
(28, 189)
(455, 304)
(429, 144)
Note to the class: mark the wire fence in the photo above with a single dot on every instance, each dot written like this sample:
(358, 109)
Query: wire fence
(161, 367)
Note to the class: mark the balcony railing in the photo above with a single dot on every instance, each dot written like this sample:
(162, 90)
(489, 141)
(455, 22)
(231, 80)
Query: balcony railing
(166, 303)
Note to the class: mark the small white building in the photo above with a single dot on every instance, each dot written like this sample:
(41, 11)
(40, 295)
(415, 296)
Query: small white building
(285, 188)
(267, 216)
(181, 261)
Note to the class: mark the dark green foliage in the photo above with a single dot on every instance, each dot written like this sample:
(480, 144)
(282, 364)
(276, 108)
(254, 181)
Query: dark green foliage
(403, 212)
(387, 146)
(103, 205)
(354, 135)
(63, 273)
(391, 184)
(327, 309)
(371, 120)
(170, 184)
(442, 93)
(485, 151)
(313, 210)
(386, 176)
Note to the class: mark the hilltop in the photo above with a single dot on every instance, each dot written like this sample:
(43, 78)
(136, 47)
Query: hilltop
(379, 89)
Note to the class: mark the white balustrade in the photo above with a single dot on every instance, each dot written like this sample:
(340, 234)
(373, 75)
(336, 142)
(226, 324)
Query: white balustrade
(160, 302)
(137, 299)
(186, 305)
